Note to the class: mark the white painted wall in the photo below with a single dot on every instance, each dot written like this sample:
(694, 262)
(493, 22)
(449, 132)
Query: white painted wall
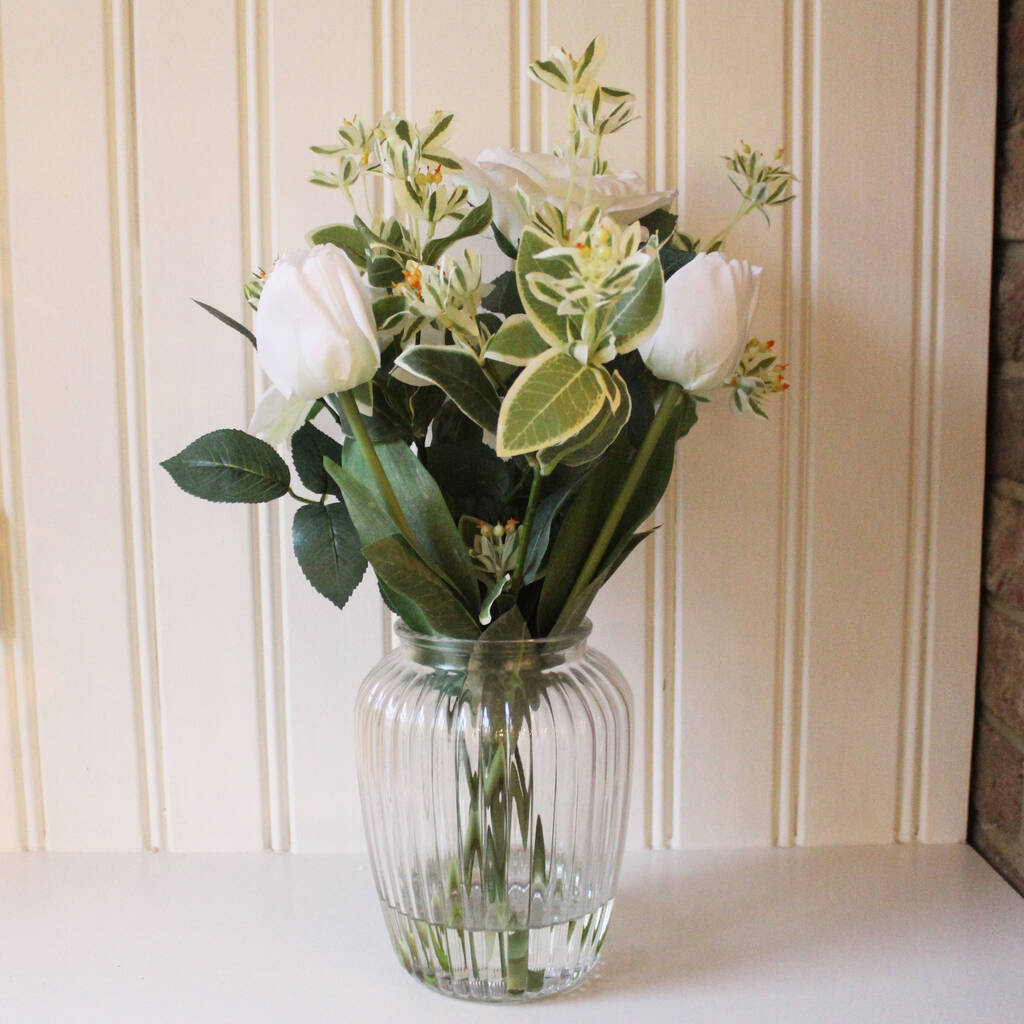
(800, 634)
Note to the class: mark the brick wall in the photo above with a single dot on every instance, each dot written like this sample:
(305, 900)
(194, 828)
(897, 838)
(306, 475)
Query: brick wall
(997, 783)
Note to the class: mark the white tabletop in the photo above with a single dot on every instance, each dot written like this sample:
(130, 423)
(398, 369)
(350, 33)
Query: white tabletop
(866, 935)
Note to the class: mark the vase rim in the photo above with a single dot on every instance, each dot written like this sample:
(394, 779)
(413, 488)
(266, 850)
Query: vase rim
(558, 644)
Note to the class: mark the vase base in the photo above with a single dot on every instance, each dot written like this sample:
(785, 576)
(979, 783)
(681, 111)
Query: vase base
(484, 965)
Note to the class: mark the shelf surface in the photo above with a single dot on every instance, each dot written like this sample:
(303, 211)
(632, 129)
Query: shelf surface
(841, 934)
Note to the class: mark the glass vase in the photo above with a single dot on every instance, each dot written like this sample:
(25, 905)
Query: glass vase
(494, 780)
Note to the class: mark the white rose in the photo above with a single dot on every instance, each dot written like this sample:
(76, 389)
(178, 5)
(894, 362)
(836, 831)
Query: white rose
(314, 325)
(705, 323)
(545, 178)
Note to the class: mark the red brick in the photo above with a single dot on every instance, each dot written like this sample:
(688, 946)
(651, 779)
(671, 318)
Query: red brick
(1004, 549)
(1001, 668)
(1006, 427)
(1011, 67)
(1008, 314)
(1011, 184)
(997, 784)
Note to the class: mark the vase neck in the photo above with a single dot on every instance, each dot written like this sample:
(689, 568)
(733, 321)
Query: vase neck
(493, 655)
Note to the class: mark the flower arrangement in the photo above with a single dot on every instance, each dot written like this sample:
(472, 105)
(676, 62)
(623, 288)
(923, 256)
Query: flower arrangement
(491, 449)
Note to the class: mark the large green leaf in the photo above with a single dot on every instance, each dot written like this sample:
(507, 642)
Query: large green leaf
(638, 311)
(472, 224)
(410, 585)
(309, 446)
(551, 326)
(554, 398)
(230, 465)
(472, 478)
(347, 238)
(458, 374)
(575, 611)
(516, 342)
(420, 498)
(369, 516)
(407, 579)
(328, 550)
(578, 531)
(596, 437)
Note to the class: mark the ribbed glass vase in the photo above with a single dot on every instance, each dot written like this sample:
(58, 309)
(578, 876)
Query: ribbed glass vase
(494, 778)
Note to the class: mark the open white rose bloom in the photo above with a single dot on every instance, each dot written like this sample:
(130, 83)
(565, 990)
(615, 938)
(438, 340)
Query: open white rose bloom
(545, 178)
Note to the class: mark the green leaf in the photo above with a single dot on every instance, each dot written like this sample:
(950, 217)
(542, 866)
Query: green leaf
(687, 417)
(505, 244)
(550, 325)
(636, 375)
(650, 488)
(386, 307)
(471, 476)
(504, 299)
(472, 224)
(673, 260)
(409, 581)
(327, 549)
(438, 129)
(230, 465)
(347, 238)
(384, 269)
(574, 613)
(432, 526)
(458, 374)
(496, 590)
(660, 222)
(230, 321)
(596, 437)
(543, 519)
(577, 533)
(309, 446)
(638, 310)
(551, 400)
(369, 514)
(516, 342)
(509, 625)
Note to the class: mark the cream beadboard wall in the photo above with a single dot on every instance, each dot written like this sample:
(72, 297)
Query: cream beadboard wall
(800, 634)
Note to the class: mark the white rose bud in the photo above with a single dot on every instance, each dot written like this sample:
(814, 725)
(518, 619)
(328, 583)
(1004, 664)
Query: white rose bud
(705, 324)
(314, 325)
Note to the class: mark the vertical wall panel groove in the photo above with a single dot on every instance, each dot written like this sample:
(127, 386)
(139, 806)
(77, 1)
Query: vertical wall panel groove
(795, 469)
(920, 516)
(18, 716)
(134, 428)
(252, 18)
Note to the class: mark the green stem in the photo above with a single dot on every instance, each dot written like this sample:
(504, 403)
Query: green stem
(525, 530)
(724, 233)
(362, 436)
(308, 501)
(661, 421)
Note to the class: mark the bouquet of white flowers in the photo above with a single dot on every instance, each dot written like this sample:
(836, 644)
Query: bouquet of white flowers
(497, 445)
